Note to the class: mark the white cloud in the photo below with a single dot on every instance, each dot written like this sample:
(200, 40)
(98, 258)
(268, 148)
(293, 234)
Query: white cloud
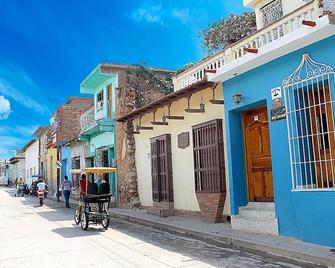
(8, 144)
(181, 14)
(4, 108)
(18, 85)
(14, 137)
(153, 13)
(149, 14)
(17, 94)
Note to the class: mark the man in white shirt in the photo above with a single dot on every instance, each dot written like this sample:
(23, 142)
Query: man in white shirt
(41, 185)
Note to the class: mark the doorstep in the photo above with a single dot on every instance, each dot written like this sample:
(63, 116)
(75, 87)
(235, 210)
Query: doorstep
(222, 233)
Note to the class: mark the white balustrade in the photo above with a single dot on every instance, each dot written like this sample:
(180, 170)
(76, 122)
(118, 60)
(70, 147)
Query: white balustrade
(282, 27)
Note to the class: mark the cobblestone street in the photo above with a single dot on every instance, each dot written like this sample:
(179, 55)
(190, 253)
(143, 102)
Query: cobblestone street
(47, 237)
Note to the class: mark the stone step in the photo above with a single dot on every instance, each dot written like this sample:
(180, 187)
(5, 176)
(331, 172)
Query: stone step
(161, 212)
(264, 226)
(261, 205)
(257, 213)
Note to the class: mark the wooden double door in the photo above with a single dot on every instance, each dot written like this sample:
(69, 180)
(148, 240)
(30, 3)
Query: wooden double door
(161, 168)
(258, 155)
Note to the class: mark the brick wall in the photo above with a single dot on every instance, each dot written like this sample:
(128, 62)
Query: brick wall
(211, 205)
(68, 116)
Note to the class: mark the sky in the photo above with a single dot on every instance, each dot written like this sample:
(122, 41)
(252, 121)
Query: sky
(48, 47)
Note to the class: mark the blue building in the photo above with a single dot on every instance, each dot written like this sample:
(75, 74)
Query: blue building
(280, 128)
(98, 123)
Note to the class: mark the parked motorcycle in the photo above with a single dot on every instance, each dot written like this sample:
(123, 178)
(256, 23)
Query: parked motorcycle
(33, 189)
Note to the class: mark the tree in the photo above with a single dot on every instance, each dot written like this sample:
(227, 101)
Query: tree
(227, 31)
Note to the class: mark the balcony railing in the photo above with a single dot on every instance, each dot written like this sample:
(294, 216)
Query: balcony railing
(87, 119)
(282, 27)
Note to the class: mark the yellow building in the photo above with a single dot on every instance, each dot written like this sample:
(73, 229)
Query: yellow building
(180, 156)
(51, 168)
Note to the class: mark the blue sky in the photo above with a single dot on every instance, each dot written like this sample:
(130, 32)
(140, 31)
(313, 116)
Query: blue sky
(48, 47)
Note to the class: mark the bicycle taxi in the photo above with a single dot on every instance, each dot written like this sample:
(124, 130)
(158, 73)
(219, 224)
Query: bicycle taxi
(93, 208)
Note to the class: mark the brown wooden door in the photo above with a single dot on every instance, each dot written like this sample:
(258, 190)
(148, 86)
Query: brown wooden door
(161, 168)
(322, 119)
(110, 100)
(258, 155)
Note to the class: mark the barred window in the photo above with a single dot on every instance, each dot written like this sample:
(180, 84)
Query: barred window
(310, 123)
(208, 154)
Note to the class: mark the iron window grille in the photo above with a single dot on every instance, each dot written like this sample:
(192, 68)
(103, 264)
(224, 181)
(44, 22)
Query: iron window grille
(208, 155)
(310, 125)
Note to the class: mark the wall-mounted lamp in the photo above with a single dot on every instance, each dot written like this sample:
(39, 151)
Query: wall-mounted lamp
(164, 118)
(237, 98)
(202, 107)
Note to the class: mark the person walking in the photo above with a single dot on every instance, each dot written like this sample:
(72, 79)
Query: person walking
(66, 187)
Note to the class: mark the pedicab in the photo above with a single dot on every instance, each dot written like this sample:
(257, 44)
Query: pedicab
(93, 208)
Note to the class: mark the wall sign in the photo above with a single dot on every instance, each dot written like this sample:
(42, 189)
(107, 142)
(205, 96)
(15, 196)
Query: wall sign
(183, 140)
(278, 113)
(276, 93)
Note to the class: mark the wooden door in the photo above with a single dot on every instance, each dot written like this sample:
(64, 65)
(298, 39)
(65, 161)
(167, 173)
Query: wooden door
(161, 168)
(258, 155)
(110, 100)
(322, 121)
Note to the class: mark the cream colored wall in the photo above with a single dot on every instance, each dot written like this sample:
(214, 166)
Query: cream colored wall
(182, 159)
(288, 7)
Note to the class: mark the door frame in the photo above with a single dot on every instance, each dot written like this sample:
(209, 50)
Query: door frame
(247, 176)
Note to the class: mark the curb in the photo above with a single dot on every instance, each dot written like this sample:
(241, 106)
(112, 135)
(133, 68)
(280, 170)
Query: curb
(225, 240)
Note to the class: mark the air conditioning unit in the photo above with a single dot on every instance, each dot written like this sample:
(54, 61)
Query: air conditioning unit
(100, 105)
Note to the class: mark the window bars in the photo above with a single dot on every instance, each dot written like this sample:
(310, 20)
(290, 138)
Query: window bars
(271, 12)
(310, 125)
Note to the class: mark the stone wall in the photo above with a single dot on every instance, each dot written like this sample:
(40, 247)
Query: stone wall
(131, 83)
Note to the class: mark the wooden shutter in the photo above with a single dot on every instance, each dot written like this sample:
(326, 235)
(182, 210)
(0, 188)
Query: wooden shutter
(208, 153)
(161, 168)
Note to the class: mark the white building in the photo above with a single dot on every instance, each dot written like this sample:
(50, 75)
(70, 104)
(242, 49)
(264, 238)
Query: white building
(17, 166)
(31, 151)
(3, 171)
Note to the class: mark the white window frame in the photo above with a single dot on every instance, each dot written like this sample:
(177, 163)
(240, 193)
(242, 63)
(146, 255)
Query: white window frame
(100, 103)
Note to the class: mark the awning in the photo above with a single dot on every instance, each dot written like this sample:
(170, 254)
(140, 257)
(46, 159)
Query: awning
(94, 170)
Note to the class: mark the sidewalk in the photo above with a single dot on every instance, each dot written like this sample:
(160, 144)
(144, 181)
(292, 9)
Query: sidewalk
(221, 234)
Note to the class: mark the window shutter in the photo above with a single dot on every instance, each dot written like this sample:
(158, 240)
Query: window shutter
(161, 168)
(208, 153)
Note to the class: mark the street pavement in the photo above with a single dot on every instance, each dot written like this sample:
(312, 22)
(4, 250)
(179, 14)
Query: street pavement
(33, 236)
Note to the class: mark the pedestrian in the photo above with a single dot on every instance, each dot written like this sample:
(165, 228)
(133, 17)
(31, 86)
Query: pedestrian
(66, 187)
(82, 184)
(103, 186)
(92, 187)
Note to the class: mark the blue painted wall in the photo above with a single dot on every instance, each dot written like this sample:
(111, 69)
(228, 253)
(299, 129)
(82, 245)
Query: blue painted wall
(306, 215)
(66, 162)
